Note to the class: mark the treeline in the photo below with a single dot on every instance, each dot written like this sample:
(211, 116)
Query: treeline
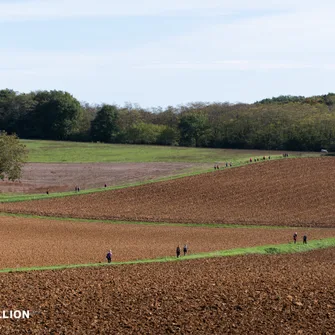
(283, 123)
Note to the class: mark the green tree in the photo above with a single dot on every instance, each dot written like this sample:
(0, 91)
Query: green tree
(14, 111)
(144, 133)
(168, 136)
(193, 127)
(104, 127)
(56, 115)
(12, 156)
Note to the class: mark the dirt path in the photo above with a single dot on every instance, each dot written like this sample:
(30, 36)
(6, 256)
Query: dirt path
(37, 242)
(58, 177)
(297, 192)
(286, 294)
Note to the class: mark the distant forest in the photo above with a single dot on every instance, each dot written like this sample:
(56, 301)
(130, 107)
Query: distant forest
(283, 123)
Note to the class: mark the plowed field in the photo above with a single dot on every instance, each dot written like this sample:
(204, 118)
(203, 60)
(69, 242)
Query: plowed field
(35, 242)
(287, 294)
(60, 177)
(297, 192)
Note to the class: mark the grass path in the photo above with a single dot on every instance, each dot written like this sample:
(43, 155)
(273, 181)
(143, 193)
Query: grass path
(261, 250)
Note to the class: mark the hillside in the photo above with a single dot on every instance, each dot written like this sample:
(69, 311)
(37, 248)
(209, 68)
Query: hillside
(297, 192)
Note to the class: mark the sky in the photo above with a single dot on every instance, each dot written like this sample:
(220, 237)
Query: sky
(168, 52)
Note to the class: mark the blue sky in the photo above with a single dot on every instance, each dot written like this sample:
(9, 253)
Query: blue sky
(159, 53)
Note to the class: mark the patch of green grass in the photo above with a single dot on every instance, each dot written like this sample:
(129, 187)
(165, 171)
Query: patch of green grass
(78, 152)
(262, 250)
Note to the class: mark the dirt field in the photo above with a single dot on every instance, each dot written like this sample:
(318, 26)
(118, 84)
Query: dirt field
(287, 294)
(36, 242)
(38, 177)
(297, 192)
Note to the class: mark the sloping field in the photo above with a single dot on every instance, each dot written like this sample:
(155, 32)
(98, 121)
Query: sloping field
(286, 294)
(297, 192)
(27, 242)
(60, 177)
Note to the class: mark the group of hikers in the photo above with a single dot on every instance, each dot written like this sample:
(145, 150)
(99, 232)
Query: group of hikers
(295, 238)
(185, 248)
(257, 159)
(264, 158)
(178, 251)
(227, 164)
(76, 189)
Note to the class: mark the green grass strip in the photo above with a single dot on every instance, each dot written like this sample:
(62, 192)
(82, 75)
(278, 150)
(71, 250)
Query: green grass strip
(289, 248)
(28, 197)
(149, 223)
(83, 152)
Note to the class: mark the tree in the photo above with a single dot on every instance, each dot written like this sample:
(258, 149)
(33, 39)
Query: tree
(192, 127)
(12, 156)
(104, 127)
(83, 128)
(168, 136)
(56, 115)
(14, 111)
(144, 133)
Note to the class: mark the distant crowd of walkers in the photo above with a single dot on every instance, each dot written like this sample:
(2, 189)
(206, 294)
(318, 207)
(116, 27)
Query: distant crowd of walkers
(185, 248)
(227, 164)
(76, 189)
(230, 164)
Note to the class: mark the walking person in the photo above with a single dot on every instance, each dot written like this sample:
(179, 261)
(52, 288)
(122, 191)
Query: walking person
(185, 249)
(109, 256)
(295, 236)
(178, 251)
(304, 239)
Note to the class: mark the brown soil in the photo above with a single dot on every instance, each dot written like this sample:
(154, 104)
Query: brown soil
(36, 242)
(297, 192)
(58, 177)
(286, 294)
